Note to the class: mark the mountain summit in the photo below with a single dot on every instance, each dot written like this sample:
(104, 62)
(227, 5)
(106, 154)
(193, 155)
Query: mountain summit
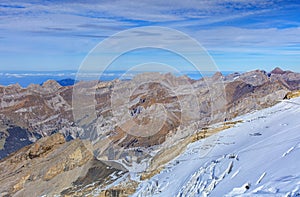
(278, 71)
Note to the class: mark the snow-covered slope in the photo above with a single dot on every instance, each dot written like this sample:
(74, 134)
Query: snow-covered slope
(260, 156)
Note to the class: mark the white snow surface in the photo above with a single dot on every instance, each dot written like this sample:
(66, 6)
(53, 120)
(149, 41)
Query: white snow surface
(259, 157)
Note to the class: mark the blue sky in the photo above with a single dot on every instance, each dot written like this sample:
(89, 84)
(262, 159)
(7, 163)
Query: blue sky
(240, 35)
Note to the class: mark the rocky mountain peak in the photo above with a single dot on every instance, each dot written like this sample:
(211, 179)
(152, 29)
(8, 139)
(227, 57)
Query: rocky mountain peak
(14, 88)
(277, 71)
(51, 85)
(217, 76)
(255, 78)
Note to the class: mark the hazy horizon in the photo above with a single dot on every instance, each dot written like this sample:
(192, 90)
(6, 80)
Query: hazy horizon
(25, 78)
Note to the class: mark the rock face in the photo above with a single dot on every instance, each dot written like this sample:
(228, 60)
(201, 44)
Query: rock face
(33, 112)
(15, 138)
(52, 166)
(289, 78)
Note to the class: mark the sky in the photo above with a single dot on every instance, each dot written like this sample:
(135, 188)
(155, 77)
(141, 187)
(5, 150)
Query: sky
(240, 35)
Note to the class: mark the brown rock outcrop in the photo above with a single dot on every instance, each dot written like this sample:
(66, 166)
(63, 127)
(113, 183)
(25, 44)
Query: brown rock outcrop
(51, 166)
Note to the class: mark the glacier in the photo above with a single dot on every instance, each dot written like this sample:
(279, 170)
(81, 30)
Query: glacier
(258, 157)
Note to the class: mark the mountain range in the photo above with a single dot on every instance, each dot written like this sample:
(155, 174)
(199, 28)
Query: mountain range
(104, 138)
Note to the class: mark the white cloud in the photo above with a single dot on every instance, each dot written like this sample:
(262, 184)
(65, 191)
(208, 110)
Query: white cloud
(154, 11)
(73, 27)
(233, 38)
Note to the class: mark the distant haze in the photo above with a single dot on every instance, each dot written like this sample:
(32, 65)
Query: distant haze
(25, 78)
